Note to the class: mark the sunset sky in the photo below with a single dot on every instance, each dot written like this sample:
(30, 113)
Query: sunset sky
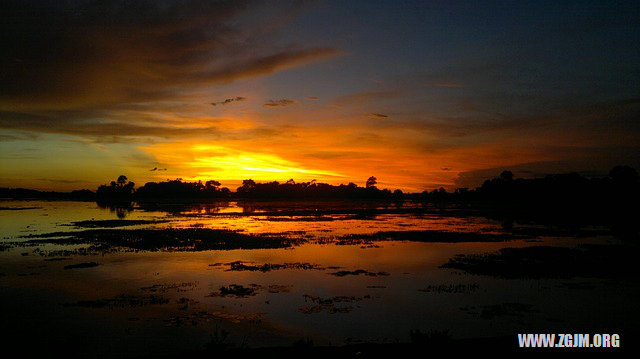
(420, 94)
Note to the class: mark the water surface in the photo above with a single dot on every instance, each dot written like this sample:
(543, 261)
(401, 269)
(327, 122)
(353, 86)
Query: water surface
(335, 282)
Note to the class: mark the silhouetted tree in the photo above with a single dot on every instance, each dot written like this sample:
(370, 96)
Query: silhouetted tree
(177, 190)
(122, 180)
(624, 174)
(121, 189)
(247, 187)
(308, 190)
(212, 185)
(371, 182)
(506, 176)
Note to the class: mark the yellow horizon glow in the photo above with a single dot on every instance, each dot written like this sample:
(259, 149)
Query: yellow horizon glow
(201, 162)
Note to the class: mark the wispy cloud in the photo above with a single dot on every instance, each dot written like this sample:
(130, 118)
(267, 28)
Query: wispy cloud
(378, 115)
(65, 181)
(279, 103)
(447, 85)
(228, 101)
(111, 52)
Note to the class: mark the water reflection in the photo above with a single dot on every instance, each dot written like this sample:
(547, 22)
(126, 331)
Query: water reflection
(353, 272)
(120, 209)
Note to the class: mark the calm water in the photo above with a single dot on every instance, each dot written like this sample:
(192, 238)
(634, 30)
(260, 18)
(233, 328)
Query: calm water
(159, 302)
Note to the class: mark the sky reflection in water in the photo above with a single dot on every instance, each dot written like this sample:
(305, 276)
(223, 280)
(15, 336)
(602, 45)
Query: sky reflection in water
(385, 289)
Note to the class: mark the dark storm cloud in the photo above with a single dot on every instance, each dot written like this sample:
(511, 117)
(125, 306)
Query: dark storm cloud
(75, 54)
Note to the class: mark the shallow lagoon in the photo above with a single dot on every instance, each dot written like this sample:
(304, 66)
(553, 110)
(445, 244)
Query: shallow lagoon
(334, 273)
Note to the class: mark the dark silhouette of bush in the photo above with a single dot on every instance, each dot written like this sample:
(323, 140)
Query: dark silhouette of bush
(308, 190)
(567, 199)
(506, 175)
(624, 175)
(179, 190)
(23, 193)
(120, 189)
(371, 182)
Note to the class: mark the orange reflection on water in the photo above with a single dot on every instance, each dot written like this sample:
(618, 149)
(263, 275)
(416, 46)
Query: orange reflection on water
(130, 296)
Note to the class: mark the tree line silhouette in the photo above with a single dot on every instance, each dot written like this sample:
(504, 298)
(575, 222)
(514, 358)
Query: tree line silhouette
(620, 189)
(123, 189)
(568, 199)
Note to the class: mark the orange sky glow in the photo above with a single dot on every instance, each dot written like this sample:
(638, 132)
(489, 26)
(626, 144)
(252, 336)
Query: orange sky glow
(420, 98)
